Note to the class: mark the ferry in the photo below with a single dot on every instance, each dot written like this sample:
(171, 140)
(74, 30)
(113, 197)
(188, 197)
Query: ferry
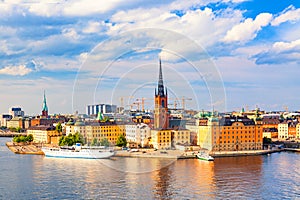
(204, 156)
(78, 151)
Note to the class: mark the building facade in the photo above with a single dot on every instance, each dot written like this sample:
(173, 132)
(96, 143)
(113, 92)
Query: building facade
(138, 134)
(16, 112)
(44, 134)
(237, 133)
(103, 108)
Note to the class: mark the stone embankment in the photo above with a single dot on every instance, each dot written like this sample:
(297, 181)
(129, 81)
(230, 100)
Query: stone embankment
(24, 148)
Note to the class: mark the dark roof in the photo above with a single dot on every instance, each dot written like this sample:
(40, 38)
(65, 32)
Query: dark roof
(42, 127)
(228, 121)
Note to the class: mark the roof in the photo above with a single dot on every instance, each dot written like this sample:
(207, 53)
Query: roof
(42, 127)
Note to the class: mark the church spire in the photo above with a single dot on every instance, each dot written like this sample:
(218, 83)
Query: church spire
(45, 107)
(161, 91)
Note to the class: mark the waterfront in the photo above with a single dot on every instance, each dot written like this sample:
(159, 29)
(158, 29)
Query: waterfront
(274, 176)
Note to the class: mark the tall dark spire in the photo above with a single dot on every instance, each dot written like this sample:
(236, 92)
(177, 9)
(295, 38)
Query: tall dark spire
(161, 90)
(45, 107)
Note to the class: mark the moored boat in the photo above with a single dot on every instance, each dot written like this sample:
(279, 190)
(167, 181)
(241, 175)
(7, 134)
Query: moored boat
(204, 156)
(78, 151)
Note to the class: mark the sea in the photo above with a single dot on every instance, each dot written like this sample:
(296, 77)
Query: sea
(274, 176)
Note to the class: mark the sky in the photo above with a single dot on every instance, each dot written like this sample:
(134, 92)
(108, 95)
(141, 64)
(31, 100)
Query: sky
(215, 54)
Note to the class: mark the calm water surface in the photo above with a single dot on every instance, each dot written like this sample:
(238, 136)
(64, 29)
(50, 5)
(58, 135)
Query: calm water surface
(276, 176)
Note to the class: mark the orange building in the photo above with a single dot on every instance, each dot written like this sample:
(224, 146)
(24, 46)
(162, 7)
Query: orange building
(230, 134)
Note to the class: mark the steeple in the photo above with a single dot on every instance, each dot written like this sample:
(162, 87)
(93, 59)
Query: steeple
(161, 88)
(45, 107)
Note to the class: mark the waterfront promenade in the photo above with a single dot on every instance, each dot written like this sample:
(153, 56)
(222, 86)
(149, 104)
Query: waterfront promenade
(23, 148)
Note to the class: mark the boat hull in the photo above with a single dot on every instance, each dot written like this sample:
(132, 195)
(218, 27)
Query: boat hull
(205, 157)
(84, 153)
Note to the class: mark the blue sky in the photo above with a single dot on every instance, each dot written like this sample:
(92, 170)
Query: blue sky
(225, 54)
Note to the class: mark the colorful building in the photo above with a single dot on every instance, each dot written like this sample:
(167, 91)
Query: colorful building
(230, 133)
(161, 139)
(287, 130)
(44, 134)
(98, 130)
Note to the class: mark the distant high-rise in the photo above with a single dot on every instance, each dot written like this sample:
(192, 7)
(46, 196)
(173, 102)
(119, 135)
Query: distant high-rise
(45, 107)
(161, 116)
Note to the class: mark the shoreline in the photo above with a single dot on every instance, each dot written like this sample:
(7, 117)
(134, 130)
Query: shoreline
(34, 149)
(20, 148)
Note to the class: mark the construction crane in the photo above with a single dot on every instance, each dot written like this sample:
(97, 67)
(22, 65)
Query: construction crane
(142, 102)
(183, 99)
(122, 100)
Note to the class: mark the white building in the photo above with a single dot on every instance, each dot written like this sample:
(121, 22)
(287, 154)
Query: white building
(103, 108)
(138, 133)
(283, 130)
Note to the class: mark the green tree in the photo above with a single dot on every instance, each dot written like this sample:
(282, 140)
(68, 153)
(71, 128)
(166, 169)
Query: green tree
(104, 142)
(267, 140)
(121, 141)
(71, 140)
(94, 142)
(29, 138)
(18, 129)
(58, 127)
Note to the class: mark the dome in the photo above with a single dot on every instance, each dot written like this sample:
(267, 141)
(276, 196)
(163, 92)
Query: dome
(79, 123)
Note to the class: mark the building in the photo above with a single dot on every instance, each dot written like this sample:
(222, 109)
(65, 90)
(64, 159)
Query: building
(231, 133)
(96, 130)
(45, 107)
(103, 108)
(16, 122)
(298, 131)
(16, 112)
(161, 115)
(161, 138)
(46, 121)
(270, 125)
(138, 135)
(4, 118)
(287, 130)
(44, 134)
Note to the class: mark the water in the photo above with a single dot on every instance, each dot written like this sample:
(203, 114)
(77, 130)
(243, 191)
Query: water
(275, 176)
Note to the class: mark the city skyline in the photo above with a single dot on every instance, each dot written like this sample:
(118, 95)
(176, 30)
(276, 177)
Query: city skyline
(69, 48)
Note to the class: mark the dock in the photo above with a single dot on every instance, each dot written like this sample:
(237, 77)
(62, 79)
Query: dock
(243, 153)
(23, 148)
(291, 149)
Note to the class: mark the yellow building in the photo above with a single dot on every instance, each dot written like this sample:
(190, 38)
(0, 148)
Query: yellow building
(44, 134)
(230, 134)
(104, 130)
(298, 131)
(181, 136)
(161, 139)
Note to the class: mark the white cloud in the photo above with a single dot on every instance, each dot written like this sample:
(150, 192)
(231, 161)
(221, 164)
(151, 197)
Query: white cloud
(280, 52)
(87, 7)
(20, 70)
(248, 29)
(287, 46)
(202, 26)
(94, 27)
(289, 14)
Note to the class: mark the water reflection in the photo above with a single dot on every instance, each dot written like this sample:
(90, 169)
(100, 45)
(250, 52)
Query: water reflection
(255, 177)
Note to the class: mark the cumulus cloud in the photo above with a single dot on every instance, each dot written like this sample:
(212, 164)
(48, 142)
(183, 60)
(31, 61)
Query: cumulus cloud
(248, 29)
(20, 70)
(289, 14)
(280, 52)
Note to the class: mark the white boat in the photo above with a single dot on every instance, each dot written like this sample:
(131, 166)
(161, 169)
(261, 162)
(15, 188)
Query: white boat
(204, 156)
(78, 151)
